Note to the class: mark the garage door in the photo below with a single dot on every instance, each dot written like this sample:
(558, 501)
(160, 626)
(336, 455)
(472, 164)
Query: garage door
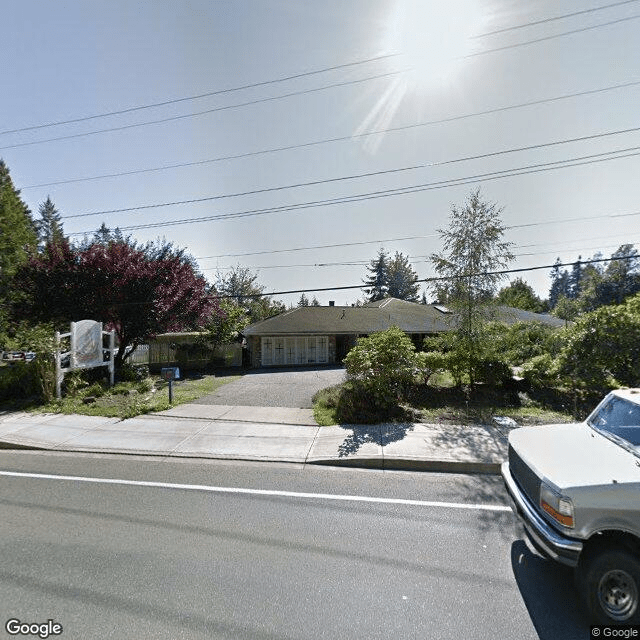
(294, 350)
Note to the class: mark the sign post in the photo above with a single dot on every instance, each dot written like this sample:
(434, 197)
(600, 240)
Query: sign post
(170, 374)
(86, 350)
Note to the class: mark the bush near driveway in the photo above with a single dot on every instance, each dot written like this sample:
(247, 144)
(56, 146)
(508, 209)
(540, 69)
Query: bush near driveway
(379, 369)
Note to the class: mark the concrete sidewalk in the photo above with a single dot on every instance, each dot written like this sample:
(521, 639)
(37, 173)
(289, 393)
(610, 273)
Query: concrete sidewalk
(263, 434)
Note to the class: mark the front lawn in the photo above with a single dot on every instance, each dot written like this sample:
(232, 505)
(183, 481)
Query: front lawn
(129, 399)
(447, 404)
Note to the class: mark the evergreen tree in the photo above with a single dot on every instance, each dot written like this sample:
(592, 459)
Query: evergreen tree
(17, 237)
(559, 284)
(304, 301)
(575, 280)
(315, 302)
(377, 282)
(49, 226)
(402, 280)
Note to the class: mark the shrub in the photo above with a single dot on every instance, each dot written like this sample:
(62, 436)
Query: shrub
(38, 378)
(132, 372)
(19, 381)
(539, 370)
(601, 348)
(379, 369)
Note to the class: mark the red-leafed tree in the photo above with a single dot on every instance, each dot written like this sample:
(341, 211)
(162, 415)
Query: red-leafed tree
(139, 291)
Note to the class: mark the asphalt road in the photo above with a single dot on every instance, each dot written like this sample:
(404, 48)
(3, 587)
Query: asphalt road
(346, 559)
(276, 387)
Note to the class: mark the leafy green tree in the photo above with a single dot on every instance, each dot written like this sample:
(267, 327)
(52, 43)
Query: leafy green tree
(315, 302)
(567, 308)
(240, 284)
(304, 301)
(473, 252)
(520, 295)
(225, 324)
(402, 280)
(49, 225)
(377, 282)
(17, 238)
(522, 341)
(601, 349)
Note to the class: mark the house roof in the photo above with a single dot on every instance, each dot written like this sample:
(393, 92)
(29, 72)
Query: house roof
(373, 317)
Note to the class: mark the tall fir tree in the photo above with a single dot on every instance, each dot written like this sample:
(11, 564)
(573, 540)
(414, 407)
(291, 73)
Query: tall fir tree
(402, 280)
(49, 226)
(560, 287)
(17, 238)
(376, 285)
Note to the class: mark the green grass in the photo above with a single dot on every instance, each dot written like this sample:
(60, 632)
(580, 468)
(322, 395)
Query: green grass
(450, 405)
(129, 399)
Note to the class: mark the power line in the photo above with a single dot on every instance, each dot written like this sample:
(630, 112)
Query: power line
(434, 278)
(553, 19)
(208, 94)
(405, 238)
(374, 195)
(204, 112)
(552, 37)
(338, 139)
(322, 246)
(363, 175)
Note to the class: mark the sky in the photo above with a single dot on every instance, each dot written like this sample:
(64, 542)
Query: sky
(242, 126)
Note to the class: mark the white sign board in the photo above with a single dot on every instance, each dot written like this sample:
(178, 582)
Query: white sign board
(86, 344)
(86, 350)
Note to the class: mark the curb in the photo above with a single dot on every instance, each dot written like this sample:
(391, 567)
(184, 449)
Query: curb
(398, 464)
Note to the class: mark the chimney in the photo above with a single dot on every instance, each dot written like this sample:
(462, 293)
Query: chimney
(332, 303)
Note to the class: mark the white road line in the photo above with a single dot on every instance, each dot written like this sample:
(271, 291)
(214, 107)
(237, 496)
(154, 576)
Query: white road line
(260, 492)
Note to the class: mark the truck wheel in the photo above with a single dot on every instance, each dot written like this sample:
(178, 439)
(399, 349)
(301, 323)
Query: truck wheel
(610, 585)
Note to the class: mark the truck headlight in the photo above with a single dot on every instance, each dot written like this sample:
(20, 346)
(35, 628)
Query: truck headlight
(559, 507)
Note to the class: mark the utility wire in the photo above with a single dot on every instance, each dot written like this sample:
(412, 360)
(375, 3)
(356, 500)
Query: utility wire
(306, 91)
(374, 195)
(339, 139)
(433, 279)
(553, 19)
(552, 37)
(363, 175)
(199, 96)
(205, 111)
(295, 76)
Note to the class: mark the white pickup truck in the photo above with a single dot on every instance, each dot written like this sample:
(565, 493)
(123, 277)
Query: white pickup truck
(576, 489)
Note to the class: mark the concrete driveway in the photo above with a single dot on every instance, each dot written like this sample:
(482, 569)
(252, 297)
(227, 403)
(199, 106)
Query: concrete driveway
(293, 387)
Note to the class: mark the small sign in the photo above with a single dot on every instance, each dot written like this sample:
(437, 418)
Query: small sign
(170, 373)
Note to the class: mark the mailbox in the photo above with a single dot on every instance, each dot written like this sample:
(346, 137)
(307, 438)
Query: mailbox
(170, 373)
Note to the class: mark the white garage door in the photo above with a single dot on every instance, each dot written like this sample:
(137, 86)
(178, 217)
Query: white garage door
(299, 350)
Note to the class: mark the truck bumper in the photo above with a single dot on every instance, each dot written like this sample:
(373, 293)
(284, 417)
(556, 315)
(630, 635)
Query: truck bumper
(545, 539)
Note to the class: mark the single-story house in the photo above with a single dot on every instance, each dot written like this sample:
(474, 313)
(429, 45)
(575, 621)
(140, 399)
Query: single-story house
(324, 335)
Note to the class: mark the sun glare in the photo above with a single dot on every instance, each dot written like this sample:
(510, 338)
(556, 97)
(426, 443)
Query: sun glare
(433, 37)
